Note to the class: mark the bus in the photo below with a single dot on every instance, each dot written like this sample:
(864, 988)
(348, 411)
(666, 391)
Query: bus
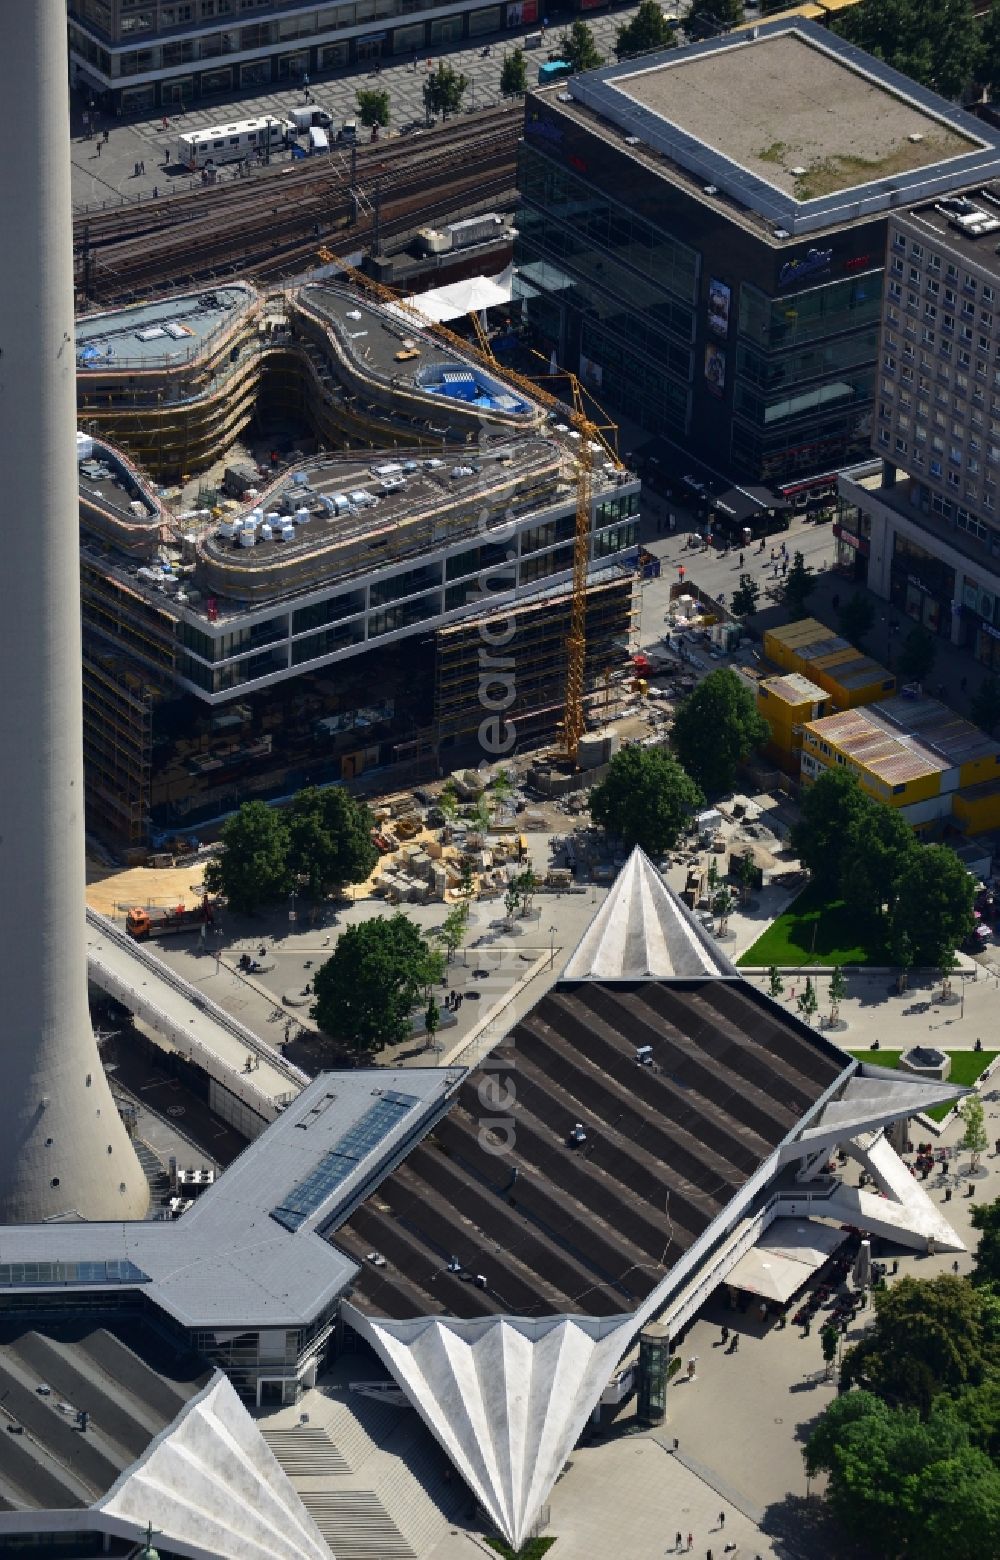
(231, 143)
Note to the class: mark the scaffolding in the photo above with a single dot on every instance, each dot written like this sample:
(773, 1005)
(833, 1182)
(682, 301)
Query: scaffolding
(531, 668)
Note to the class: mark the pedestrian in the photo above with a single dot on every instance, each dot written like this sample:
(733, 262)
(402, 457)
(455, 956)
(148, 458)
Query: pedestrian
(678, 1541)
(725, 1334)
(164, 123)
(135, 170)
(736, 1343)
(690, 1540)
(954, 1266)
(107, 137)
(784, 567)
(722, 1519)
(98, 148)
(155, 191)
(741, 560)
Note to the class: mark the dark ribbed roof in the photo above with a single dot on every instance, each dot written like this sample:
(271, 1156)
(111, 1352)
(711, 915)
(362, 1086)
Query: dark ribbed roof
(590, 1229)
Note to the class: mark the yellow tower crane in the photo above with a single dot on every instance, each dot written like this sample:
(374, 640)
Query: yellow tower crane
(590, 436)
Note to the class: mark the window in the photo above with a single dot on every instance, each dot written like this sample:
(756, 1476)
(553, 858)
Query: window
(900, 446)
(917, 251)
(914, 274)
(933, 288)
(930, 311)
(934, 262)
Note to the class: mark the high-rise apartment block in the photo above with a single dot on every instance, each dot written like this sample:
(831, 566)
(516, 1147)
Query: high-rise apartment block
(926, 535)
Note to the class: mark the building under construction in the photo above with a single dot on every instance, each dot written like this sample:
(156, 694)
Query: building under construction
(375, 606)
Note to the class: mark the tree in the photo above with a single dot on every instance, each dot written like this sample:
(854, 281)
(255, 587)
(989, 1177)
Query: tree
(648, 29)
(514, 74)
(856, 618)
(723, 905)
(481, 815)
(579, 48)
(330, 840)
(989, 58)
(712, 875)
(902, 952)
(366, 991)
(986, 1219)
(933, 41)
(647, 799)
(929, 1336)
(448, 806)
(526, 883)
(705, 18)
(466, 881)
(829, 1338)
(452, 932)
(511, 899)
(883, 1463)
(917, 655)
(798, 586)
(746, 596)
(252, 869)
(838, 991)
(373, 106)
(974, 1137)
(716, 728)
(502, 788)
(947, 964)
(829, 809)
(984, 706)
(808, 1002)
(444, 89)
(747, 875)
(934, 900)
(432, 1021)
(775, 984)
(876, 848)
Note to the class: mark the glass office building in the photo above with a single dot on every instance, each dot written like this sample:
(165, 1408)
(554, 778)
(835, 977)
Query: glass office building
(698, 285)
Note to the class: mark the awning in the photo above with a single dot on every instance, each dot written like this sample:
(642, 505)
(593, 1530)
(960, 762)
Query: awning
(747, 503)
(457, 298)
(787, 1256)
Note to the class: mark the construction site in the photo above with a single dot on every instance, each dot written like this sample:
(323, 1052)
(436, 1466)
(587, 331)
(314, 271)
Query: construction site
(357, 498)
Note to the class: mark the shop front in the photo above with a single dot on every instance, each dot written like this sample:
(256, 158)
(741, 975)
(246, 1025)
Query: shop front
(852, 533)
(922, 586)
(979, 631)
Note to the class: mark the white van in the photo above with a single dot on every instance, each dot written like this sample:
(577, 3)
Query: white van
(319, 141)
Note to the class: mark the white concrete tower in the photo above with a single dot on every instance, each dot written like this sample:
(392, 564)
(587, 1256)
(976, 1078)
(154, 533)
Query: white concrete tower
(63, 1146)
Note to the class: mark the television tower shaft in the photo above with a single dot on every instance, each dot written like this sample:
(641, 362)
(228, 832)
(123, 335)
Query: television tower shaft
(63, 1145)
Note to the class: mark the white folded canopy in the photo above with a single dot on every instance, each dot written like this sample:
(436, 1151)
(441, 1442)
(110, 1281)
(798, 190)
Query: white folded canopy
(457, 298)
(785, 1258)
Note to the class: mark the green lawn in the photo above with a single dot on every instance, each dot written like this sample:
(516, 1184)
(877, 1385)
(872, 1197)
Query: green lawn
(813, 930)
(965, 1068)
(533, 1549)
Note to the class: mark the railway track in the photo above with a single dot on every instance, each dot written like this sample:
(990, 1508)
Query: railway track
(267, 226)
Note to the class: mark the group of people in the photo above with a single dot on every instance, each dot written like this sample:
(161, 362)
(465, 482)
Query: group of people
(453, 1001)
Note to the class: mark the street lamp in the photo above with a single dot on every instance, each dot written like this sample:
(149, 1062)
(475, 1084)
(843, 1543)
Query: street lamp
(552, 946)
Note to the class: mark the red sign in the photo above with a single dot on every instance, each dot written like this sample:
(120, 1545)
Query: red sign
(577, 163)
(858, 263)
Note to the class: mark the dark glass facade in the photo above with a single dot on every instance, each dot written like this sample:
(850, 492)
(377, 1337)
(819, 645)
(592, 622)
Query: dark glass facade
(756, 354)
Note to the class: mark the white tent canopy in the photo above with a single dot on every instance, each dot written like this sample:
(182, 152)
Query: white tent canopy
(457, 298)
(785, 1258)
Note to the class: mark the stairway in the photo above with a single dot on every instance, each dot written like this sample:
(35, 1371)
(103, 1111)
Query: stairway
(370, 1475)
(152, 1169)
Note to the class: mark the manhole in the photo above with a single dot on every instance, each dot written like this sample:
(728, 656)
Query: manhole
(175, 1110)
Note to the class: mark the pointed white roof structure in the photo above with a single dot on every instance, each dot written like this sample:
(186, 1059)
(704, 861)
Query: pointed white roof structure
(506, 1397)
(874, 1096)
(643, 931)
(211, 1485)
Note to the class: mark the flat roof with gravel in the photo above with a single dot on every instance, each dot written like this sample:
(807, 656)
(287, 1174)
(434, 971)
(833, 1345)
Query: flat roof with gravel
(786, 121)
(800, 107)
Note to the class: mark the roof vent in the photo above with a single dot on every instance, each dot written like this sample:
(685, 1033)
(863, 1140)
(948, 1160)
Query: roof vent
(644, 1055)
(578, 1136)
(632, 140)
(917, 135)
(798, 172)
(782, 233)
(710, 189)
